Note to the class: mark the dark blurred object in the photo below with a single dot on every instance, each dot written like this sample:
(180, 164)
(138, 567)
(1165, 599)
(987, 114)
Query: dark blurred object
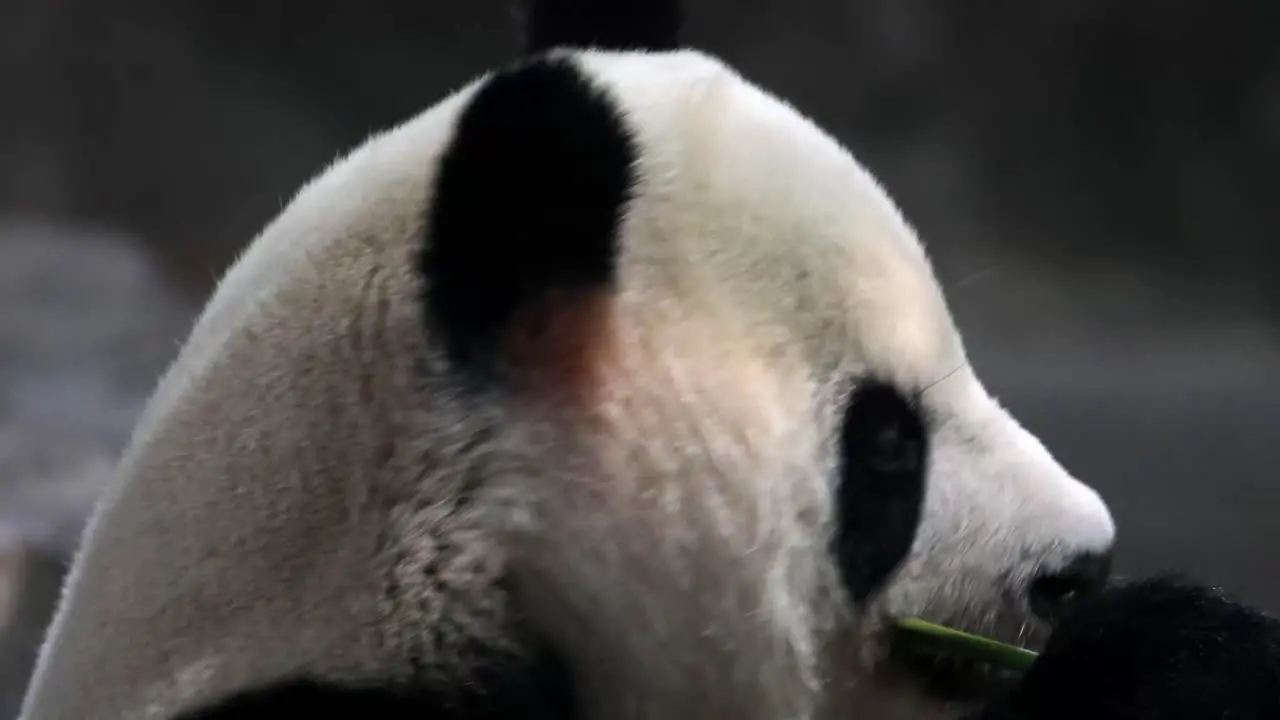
(86, 328)
(1158, 649)
(1094, 132)
(30, 579)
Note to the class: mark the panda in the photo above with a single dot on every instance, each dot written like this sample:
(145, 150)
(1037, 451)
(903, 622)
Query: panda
(611, 386)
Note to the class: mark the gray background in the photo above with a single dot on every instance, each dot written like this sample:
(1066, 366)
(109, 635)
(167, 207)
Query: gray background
(1096, 180)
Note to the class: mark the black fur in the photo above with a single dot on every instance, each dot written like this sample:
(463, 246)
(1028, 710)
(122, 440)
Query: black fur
(307, 698)
(531, 690)
(1052, 594)
(602, 24)
(1160, 649)
(527, 203)
(883, 457)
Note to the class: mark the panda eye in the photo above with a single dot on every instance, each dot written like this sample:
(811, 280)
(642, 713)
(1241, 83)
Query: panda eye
(894, 451)
(883, 432)
(879, 494)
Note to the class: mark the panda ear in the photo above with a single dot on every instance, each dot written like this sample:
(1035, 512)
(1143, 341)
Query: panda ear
(602, 24)
(522, 232)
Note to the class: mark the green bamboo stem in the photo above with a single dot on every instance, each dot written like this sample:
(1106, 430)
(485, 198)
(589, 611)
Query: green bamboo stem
(921, 635)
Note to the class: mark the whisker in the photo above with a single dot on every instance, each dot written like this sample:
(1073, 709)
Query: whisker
(994, 269)
(953, 371)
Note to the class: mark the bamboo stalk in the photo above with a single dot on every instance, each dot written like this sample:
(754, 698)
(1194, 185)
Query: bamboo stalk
(921, 635)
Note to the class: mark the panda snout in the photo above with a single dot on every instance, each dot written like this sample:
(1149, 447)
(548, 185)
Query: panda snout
(1051, 593)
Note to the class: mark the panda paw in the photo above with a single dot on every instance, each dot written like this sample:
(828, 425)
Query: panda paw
(1161, 648)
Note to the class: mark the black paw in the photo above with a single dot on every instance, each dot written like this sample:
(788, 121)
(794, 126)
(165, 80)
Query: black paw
(1160, 648)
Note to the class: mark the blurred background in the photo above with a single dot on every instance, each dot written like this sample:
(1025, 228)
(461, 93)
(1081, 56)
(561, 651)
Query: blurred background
(1096, 180)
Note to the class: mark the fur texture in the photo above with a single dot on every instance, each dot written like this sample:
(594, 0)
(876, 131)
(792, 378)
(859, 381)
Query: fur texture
(1162, 648)
(659, 500)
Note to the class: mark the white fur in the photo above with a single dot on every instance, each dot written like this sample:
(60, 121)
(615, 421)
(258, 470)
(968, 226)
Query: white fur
(670, 537)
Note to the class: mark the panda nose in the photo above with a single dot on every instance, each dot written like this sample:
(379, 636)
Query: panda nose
(1051, 594)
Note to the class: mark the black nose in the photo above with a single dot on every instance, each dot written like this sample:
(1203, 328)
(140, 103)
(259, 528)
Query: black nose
(1052, 593)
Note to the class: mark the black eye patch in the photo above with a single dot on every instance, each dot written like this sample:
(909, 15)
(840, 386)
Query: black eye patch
(883, 456)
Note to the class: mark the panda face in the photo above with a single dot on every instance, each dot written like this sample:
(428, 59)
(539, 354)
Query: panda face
(1007, 540)
(780, 426)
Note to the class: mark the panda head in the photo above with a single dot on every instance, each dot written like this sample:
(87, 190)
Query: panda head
(612, 347)
(768, 412)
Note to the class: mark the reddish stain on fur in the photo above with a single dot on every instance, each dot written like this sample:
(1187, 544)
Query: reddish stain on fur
(560, 346)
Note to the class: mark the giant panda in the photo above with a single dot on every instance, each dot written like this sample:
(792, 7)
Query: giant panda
(611, 386)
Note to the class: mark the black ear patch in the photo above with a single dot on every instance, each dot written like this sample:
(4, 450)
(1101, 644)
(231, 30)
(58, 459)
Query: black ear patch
(883, 448)
(602, 24)
(527, 205)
